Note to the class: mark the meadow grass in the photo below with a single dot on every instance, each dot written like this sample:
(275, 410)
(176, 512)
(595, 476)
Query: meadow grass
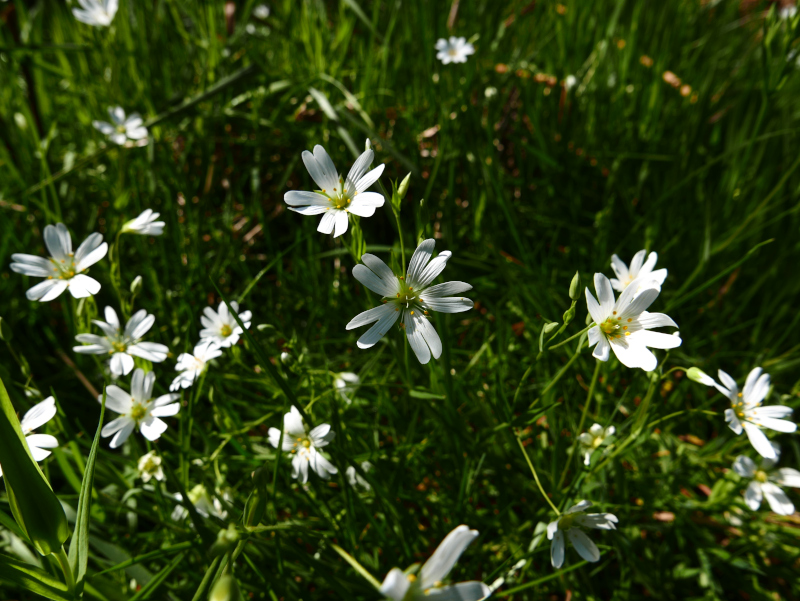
(680, 135)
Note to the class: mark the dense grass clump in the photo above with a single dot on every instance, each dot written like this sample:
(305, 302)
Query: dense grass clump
(576, 131)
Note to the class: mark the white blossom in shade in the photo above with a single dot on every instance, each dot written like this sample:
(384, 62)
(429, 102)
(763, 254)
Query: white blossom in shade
(427, 583)
(787, 13)
(453, 50)
(593, 439)
(354, 478)
(138, 409)
(145, 224)
(204, 503)
(261, 11)
(192, 365)
(764, 481)
(220, 326)
(624, 326)
(640, 271)
(337, 196)
(63, 269)
(121, 129)
(569, 83)
(150, 467)
(746, 412)
(97, 13)
(409, 299)
(571, 523)
(36, 417)
(122, 345)
(346, 383)
(303, 446)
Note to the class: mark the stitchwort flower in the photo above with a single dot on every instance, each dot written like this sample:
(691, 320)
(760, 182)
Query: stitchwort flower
(36, 417)
(63, 269)
(409, 299)
(427, 582)
(122, 345)
(192, 365)
(593, 439)
(145, 224)
(624, 326)
(303, 446)
(220, 327)
(97, 13)
(138, 409)
(337, 195)
(453, 50)
(572, 522)
(149, 467)
(764, 481)
(122, 129)
(640, 270)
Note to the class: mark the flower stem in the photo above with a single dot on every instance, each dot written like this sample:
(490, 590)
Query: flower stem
(536, 476)
(63, 561)
(580, 424)
(573, 337)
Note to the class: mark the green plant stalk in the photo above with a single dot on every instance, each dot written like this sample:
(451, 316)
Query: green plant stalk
(588, 402)
(63, 562)
(535, 475)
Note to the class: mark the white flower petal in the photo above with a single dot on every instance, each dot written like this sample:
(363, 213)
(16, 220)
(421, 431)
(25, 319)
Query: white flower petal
(557, 548)
(386, 320)
(47, 290)
(759, 440)
(777, 499)
(583, 544)
(340, 223)
(328, 221)
(81, 286)
(395, 585)
(38, 415)
(446, 555)
(744, 466)
(420, 259)
(753, 495)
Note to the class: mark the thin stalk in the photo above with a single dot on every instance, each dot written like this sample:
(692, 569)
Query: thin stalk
(557, 377)
(536, 476)
(580, 424)
(573, 337)
(63, 561)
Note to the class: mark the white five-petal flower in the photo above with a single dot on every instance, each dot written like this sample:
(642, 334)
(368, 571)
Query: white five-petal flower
(122, 345)
(409, 299)
(220, 326)
(354, 478)
(428, 582)
(746, 412)
(145, 224)
(640, 270)
(203, 502)
(150, 467)
(337, 196)
(36, 417)
(593, 439)
(138, 409)
(191, 365)
(624, 325)
(346, 383)
(453, 50)
(303, 446)
(122, 129)
(63, 269)
(97, 13)
(571, 522)
(764, 482)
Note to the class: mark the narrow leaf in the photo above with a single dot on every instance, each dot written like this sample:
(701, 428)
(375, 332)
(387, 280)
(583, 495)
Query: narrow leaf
(29, 578)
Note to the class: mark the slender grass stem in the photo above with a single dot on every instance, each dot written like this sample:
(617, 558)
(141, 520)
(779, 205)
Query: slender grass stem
(536, 476)
(588, 402)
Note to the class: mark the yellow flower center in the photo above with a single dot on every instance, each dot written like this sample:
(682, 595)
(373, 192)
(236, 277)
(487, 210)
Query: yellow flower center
(138, 412)
(119, 347)
(760, 476)
(226, 330)
(121, 129)
(566, 521)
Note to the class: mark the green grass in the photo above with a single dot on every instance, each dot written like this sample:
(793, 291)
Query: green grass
(525, 187)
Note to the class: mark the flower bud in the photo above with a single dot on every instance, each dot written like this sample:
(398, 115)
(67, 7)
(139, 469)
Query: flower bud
(367, 145)
(136, 285)
(549, 327)
(226, 540)
(569, 314)
(575, 287)
(699, 376)
(225, 589)
(286, 358)
(403, 189)
(256, 503)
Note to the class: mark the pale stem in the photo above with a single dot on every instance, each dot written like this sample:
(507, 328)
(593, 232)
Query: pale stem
(580, 424)
(536, 476)
(63, 561)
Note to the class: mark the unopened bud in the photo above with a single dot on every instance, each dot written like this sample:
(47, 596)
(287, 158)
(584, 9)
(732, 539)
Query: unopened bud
(225, 589)
(549, 327)
(403, 189)
(226, 540)
(575, 287)
(367, 145)
(256, 503)
(569, 314)
(699, 376)
(136, 284)
(286, 358)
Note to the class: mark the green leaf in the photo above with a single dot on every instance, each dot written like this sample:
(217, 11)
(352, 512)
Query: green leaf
(421, 394)
(79, 545)
(36, 509)
(29, 578)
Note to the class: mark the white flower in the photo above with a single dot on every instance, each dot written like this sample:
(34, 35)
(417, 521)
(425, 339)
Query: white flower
(122, 345)
(640, 270)
(337, 196)
(138, 409)
(764, 482)
(220, 326)
(427, 583)
(203, 502)
(122, 129)
(747, 413)
(354, 478)
(624, 325)
(787, 13)
(191, 365)
(346, 384)
(64, 269)
(571, 522)
(145, 224)
(570, 81)
(36, 417)
(410, 298)
(303, 446)
(261, 11)
(454, 50)
(593, 439)
(150, 467)
(98, 13)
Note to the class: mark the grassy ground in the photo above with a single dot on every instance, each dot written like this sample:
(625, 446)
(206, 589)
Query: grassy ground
(680, 136)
